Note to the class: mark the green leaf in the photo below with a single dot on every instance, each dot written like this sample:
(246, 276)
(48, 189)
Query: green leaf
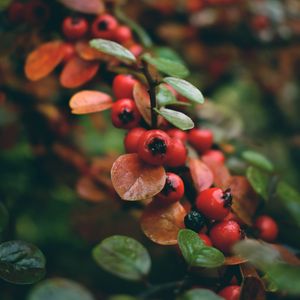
(185, 88)
(143, 36)
(166, 66)
(290, 199)
(123, 256)
(259, 181)
(168, 53)
(4, 4)
(21, 262)
(267, 259)
(258, 160)
(165, 97)
(59, 289)
(122, 297)
(113, 49)
(196, 253)
(3, 217)
(199, 294)
(176, 118)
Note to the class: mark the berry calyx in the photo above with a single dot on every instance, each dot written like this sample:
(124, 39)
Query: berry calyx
(124, 114)
(267, 228)
(225, 234)
(154, 146)
(131, 140)
(123, 86)
(205, 238)
(214, 203)
(231, 292)
(201, 139)
(194, 220)
(74, 27)
(173, 189)
(104, 27)
(177, 154)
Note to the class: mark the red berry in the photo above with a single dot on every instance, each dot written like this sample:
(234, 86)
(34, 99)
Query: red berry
(16, 12)
(177, 134)
(154, 147)
(177, 154)
(69, 51)
(225, 234)
(36, 12)
(104, 27)
(122, 34)
(267, 228)
(132, 138)
(124, 114)
(206, 240)
(232, 216)
(201, 139)
(214, 203)
(215, 155)
(259, 22)
(123, 86)
(231, 292)
(173, 189)
(74, 27)
(136, 49)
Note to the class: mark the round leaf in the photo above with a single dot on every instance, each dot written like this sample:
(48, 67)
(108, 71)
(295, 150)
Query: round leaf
(135, 180)
(77, 71)
(196, 253)
(258, 160)
(4, 216)
(86, 52)
(199, 294)
(113, 49)
(161, 223)
(43, 60)
(21, 262)
(201, 174)
(123, 256)
(259, 181)
(59, 289)
(89, 7)
(167, 66)
(185, 88)
(85, 102)
(164, 96)
(176, 118)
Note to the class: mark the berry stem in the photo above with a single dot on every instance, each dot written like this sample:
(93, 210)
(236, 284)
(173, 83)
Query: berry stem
(152, 85)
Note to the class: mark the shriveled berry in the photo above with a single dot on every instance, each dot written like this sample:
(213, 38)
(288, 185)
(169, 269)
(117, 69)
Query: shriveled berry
(173, 189)
(194, 220)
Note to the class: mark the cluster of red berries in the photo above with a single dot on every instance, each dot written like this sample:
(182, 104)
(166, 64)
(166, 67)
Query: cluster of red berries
(31, 12)
(104, 26)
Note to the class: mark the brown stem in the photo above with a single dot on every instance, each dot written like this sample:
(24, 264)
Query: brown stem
(151, 91)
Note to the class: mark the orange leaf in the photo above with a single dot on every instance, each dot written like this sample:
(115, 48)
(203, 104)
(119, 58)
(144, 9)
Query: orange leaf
(86, 52)
(88, 7)
(88, 190)
(161, 223)
(135, 180)
(222, 177)
(85, 102)
(234, 260)
(142, 101)
(43, 60)
(77, 71)
(201, 174)
(245, 200)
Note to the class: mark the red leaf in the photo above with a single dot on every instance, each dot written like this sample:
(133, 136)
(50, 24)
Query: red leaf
(89, 7)
(161, 223)
(135, 180)
(43, 60)
(86, 52)
(222, 177)
(88, 190)
(234, 260)
(245, 200)
(201, 174)
(76, 72)
(85, 102)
